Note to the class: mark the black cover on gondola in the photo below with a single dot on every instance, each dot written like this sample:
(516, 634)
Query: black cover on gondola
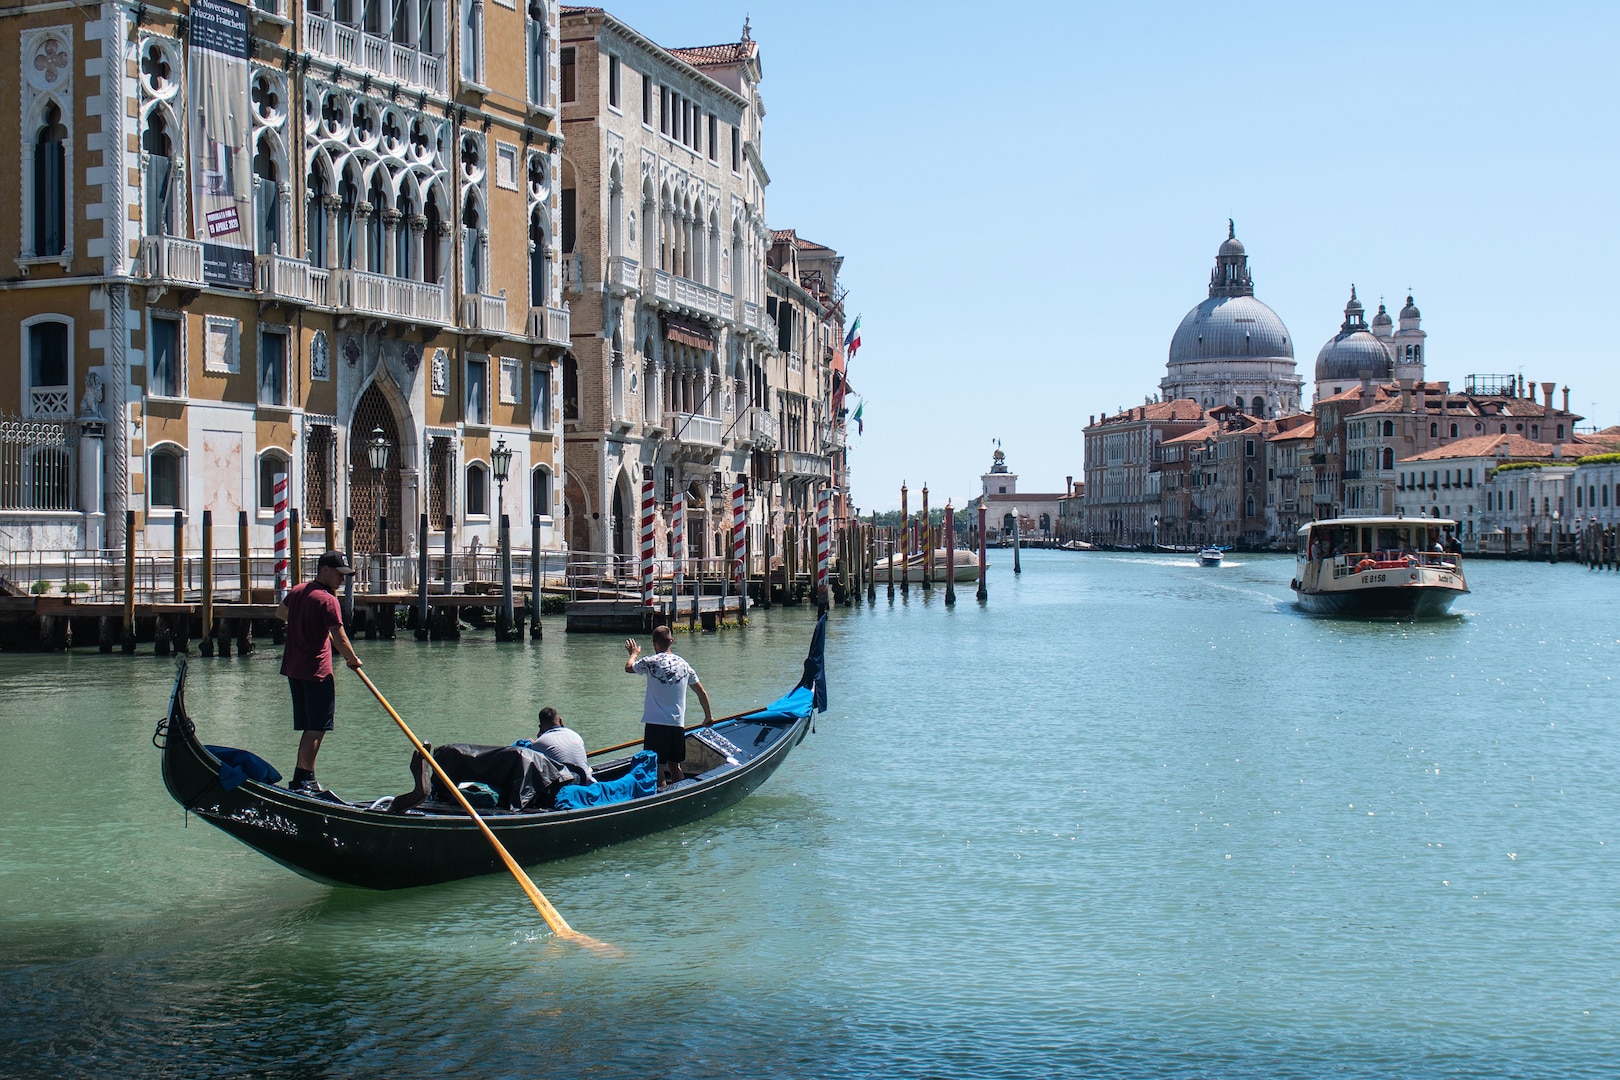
(523, 779)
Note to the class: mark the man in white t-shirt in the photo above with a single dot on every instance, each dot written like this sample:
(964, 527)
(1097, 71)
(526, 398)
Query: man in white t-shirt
(663, 716)
(562, 745)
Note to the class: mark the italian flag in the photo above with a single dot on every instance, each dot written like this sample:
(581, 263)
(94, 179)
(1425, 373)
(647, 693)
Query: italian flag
(852, 340)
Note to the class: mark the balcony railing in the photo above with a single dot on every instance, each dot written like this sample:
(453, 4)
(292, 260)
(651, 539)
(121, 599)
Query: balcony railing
(573, 272)
(483, 312)
(549, 324)
(390, 297)
(172, 259)
(693, 429)
(675, 291)
(354, 48)
(793, 463)
(762, 426)
(293, 280)
(623, 276)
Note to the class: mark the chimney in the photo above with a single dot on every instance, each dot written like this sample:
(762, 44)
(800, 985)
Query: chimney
(1521, 386)
(1532, 393)
(1406, 395)
(1068, 484)
(1566, 399)
(1547, 389)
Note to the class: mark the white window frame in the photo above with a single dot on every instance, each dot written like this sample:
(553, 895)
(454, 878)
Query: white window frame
(180, 478)
(178, 321)
(469, 361)
(266, 500)
(506, 165)
(27, 365)
(232, 329)
(541, 404)
(282, 332)
(467, 487)
(511, 375)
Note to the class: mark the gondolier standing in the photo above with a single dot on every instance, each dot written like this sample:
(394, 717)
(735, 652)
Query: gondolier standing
(663, 716)
(314, 624)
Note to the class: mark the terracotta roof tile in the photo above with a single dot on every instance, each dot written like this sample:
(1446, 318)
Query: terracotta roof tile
(1507, 447)
(1306, 430)
(701, 56)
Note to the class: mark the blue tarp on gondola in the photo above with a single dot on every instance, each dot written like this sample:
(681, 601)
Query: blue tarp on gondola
(790, 706)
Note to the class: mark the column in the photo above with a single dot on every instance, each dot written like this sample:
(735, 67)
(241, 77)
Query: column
(390, 220)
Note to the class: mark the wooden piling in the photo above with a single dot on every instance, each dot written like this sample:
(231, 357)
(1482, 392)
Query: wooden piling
(891, 563)
(422, 578)
(950, 554)
(331, 531)
(871, 560)
(179, 556)
(348, 579)
(537, 578)
(1017, 568)
(926, 529)
(984, 592)
(207, 643)
(127, 631)
(905, 542)
(449, 552)
(244, 567)
(295, 547)
(505, 626)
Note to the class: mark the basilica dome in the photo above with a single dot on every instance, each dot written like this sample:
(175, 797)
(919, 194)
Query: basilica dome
(1353, 353)
(1230, 328)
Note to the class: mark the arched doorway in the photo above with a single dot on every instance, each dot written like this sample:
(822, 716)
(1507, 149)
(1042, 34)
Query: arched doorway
(372, 412)
(623, 518)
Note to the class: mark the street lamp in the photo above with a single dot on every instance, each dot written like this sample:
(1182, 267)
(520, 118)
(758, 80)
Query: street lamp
(500, 462)
(377, 455)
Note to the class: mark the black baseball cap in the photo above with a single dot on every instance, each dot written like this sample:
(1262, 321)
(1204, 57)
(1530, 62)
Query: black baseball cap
(336, 561)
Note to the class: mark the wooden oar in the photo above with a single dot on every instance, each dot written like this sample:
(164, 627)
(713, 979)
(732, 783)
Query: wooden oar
(688, 727)
(554, 919)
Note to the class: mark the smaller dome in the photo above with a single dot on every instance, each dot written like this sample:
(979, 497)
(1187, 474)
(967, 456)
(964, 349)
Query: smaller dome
(1410, 311)
(1382, 321)
(1231, 246)
(1353, 357)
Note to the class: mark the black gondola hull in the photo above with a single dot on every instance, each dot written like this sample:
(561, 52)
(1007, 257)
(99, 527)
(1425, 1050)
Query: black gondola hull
(349, 845)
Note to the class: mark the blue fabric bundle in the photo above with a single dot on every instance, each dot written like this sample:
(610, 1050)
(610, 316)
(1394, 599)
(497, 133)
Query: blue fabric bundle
(239, 765)
(640, 781)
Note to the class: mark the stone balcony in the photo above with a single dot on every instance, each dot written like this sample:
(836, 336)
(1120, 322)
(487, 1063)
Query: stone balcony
(760, 428)
(694, 431)
(356, 50)
(172, 259)
(294, 281)
(550, 325)
(796, 465)
(483, 312)
(623, 276)
(573, 272)
(399, 299)
(676, 293)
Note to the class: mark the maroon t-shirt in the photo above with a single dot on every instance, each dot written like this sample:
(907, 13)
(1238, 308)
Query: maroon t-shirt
(312, 612)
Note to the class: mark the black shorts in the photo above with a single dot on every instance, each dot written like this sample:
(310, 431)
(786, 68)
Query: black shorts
(314, 703)
(665, 740)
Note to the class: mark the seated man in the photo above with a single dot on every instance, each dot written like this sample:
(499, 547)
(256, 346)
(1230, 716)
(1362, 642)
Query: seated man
(561, 745)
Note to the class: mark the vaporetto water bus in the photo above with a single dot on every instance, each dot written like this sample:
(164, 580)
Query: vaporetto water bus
(1388, 567)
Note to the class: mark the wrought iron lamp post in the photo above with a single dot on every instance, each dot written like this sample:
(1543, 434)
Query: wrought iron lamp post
(500, 463)
(377, 456)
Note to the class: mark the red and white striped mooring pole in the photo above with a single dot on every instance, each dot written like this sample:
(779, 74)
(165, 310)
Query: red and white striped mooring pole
(823, 527)
(280, 490)
(647, 507)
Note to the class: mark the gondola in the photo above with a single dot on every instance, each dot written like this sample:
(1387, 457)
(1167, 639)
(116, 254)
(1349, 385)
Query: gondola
(352, 844)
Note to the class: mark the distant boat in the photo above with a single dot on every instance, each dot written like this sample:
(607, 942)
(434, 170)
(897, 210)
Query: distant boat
(1210, 556)
(967, 566)
(1377, 567)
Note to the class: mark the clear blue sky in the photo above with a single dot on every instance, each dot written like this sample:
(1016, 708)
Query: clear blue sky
(1029, 197)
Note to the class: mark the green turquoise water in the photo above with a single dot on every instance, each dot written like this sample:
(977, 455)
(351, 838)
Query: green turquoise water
(1133, 818)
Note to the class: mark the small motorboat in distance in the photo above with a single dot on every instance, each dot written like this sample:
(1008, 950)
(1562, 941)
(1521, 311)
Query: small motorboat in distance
(1210, 556)
(1390, 567)
(338, 842)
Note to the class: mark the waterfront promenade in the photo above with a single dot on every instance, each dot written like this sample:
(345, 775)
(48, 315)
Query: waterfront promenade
(1132, 818)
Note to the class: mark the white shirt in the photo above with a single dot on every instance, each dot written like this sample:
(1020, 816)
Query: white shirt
(667, 678)
(566, 748)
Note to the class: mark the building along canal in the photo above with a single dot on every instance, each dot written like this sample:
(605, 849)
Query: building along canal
(1130, 818)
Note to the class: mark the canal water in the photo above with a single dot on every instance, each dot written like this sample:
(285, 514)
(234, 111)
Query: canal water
(1133, 818)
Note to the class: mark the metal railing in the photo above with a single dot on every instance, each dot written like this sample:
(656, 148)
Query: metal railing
(38, 464)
